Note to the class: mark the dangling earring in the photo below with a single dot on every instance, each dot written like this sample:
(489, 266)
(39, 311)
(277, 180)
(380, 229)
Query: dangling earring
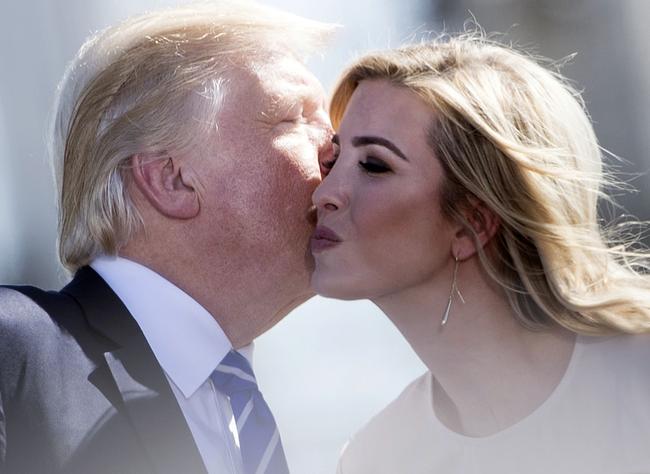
(454, 289)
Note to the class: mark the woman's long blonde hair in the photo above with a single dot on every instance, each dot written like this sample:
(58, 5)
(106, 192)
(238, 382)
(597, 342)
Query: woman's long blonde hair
(515, 136)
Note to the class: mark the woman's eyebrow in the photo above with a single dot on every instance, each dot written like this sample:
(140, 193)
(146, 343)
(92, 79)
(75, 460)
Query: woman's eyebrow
(372, 140)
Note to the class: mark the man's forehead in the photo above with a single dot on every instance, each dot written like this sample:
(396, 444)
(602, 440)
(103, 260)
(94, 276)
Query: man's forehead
(286, 74)
(275, 84)
(288, 90)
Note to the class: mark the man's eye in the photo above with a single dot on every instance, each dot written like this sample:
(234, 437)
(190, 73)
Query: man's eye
(374, 166)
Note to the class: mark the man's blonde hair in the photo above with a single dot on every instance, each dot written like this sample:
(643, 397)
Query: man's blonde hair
(515, 136)
(154, 84)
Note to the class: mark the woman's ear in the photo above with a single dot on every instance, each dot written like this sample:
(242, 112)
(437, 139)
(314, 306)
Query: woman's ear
(483, 224)
(162, 182)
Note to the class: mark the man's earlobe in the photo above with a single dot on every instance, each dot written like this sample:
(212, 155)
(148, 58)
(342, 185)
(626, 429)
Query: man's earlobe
(483, 225)
(161, 181)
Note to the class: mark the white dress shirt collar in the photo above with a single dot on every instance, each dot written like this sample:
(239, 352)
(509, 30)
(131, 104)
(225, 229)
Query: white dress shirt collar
(186, 340)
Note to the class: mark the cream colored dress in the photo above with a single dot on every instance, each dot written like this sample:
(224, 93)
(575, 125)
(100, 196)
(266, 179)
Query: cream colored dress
(597, 421)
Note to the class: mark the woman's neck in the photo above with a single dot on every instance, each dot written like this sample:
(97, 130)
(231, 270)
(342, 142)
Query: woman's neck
(489, 371)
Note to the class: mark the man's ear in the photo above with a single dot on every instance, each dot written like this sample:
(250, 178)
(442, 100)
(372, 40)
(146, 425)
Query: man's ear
(483, 224)
(163, 184)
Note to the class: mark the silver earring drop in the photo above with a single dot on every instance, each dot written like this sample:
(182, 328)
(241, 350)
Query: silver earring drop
(454, 289)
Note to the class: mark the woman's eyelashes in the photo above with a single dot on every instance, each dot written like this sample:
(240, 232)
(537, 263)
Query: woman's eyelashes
(373, 165)
(370, 165)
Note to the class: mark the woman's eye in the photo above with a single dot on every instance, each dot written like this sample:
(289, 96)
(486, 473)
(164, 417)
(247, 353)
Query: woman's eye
(374, 166)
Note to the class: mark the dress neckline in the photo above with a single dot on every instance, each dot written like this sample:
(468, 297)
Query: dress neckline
(547, 404)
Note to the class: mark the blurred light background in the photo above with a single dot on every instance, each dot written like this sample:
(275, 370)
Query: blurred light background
(330, 365)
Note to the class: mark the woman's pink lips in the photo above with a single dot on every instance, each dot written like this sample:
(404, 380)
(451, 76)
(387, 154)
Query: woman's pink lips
(323, 239)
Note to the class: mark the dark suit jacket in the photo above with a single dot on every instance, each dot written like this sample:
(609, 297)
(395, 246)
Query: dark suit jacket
(80, 388)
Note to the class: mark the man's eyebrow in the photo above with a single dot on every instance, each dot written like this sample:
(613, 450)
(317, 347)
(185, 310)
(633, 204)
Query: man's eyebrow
(371, 140)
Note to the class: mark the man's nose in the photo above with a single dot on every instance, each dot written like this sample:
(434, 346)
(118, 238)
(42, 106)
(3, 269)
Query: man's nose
(322, 127)
(324, 133)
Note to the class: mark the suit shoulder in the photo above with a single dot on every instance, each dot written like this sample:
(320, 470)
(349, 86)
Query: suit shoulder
(27, 308)
(34, 325)
(29, 315)
(16, 311)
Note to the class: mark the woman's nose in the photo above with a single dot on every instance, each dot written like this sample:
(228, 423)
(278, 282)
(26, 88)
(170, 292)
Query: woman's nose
(330, 195)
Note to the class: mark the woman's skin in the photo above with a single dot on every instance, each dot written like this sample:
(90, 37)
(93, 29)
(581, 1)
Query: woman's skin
(382, 236)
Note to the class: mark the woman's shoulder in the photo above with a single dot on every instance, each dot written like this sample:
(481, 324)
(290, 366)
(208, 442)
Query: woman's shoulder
(608, 371)
(413, 404)
(617, 350)
(394, 434)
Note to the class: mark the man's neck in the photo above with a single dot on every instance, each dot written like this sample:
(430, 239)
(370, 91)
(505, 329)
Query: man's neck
(244, 303)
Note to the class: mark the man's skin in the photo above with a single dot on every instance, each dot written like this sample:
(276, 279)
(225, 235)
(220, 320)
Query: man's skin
(230, 224)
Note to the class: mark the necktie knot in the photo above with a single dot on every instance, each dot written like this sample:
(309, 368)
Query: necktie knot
(234, 374)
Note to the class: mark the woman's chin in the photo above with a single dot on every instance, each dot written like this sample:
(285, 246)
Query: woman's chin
(333, 288)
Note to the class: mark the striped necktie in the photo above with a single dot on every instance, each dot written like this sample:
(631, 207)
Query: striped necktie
(259, 439)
